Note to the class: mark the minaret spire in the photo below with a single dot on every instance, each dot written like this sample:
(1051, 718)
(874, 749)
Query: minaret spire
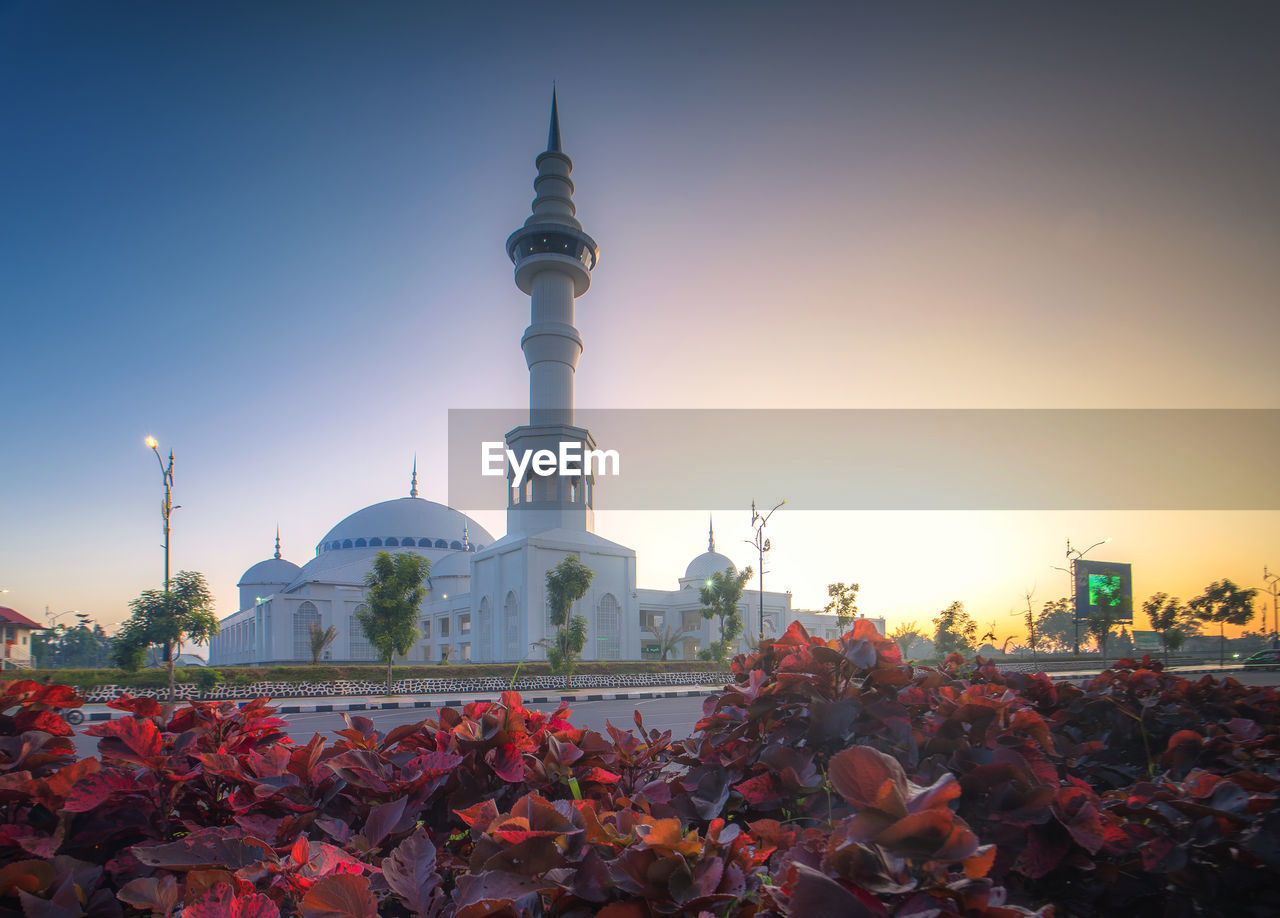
(553, 258)
(413, 486)
(711, 533)
(277, 541)
(553, 134)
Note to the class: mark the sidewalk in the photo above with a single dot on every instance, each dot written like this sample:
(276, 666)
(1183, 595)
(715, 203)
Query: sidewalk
(99, 712)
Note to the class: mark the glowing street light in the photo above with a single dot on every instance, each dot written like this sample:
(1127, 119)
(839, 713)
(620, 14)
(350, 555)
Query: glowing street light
(167, 506)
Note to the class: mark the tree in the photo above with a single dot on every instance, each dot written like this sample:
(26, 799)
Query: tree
(1056, 624)
(1165, 614)
(1034, 638)
(1226, 604)
(668, 639)
(393, 591)
(989, 637)
(720, 596)
(168, 619)
(844, 603)
(320, 639)
(78, 646)
(1124, 643)
(567, 582)
(954, 631)
(908, 634)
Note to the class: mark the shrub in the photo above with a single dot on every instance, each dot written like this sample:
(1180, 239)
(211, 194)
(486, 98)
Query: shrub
(828, 779)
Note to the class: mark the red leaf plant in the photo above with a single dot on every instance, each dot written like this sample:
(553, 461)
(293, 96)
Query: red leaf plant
(830, 778)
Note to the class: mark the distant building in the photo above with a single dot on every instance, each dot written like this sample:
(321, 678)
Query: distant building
(486, 596)
(182, 659)
(15, 629)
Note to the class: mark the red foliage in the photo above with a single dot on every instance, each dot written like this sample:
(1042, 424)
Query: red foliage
(830, 779)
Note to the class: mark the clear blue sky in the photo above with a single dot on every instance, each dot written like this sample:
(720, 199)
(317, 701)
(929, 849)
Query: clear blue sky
(271, 236)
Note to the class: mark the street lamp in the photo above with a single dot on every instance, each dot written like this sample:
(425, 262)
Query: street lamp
(167, 507)
(54, 616)
(762, 545)
(1273, 587)
(1075, 554)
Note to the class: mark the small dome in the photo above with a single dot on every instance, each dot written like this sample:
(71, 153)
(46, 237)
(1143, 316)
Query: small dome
(706, 564)
(709, 562)
(273, 571)
(454, 564)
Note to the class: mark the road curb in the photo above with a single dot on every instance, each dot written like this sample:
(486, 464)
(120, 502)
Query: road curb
(349, 706)
(328, 707)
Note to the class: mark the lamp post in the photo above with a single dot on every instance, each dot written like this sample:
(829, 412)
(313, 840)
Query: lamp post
(167, 507)
(762, 545)
(54, 616)
(1272, 581)
(1074, 555)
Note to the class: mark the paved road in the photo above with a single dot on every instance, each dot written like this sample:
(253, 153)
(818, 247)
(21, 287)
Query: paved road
(675, 714)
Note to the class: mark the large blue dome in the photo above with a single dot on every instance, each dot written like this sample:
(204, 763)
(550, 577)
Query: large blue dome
(408, 522)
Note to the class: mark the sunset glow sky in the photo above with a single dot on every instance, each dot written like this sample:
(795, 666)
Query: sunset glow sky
(271, 236)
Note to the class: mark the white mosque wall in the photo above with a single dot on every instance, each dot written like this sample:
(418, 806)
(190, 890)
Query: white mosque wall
(509, 584)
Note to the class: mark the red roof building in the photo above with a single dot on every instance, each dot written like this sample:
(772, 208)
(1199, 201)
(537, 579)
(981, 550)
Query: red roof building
(14, 617)
(15, 638)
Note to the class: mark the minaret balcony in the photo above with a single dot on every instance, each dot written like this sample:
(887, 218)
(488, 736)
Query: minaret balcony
(542, 246)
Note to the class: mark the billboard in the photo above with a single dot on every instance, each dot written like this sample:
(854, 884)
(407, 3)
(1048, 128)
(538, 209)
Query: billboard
(1102, 584)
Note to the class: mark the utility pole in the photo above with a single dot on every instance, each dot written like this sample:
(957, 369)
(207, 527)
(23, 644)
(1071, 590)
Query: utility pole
(758, 522)
(1075, 554)
(1273, 587)
(166, 507)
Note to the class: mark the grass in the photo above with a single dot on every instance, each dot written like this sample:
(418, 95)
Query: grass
(304, 672)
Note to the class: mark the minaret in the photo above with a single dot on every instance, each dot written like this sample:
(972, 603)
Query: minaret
(711, 533)
(553, 260)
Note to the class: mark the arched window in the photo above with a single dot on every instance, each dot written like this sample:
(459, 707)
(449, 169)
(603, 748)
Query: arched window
(424, 543)
(511, 628)
(456, 545)
(609, 627)
(441, 543)
(484, 627)
(392, 542)
(408, 543)
(360, 647)
(361, 543)
(375, 542)
(346, 543)
(304, 617)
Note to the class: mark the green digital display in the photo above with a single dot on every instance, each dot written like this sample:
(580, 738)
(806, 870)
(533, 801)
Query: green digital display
(1104, 590)
(1104, 585)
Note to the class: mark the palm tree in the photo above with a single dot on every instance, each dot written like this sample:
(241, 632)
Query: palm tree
(668, 640)
(320, 640)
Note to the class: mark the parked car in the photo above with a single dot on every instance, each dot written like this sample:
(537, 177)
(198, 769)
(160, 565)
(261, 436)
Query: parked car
(1264, 659)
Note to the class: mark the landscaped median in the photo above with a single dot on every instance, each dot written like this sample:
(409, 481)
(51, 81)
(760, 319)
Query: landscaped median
(216, 683)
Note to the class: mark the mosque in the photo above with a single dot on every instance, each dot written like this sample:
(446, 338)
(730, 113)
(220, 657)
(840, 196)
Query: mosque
(485, 598)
